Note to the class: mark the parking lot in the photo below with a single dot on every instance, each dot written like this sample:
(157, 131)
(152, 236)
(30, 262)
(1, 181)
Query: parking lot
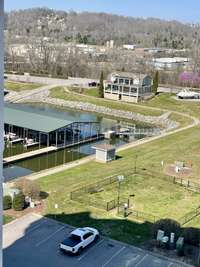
(34, 241)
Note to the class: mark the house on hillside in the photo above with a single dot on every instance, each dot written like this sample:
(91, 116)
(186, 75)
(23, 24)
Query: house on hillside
(128, 87)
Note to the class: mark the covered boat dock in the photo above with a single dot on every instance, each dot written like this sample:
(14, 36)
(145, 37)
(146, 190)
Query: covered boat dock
(40, 129)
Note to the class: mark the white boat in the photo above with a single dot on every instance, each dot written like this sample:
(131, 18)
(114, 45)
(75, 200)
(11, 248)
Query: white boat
(187, 94)
(30, 142)
(10, 136)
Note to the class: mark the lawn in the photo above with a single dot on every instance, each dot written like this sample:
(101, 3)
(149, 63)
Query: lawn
(194, 223)
(60, 92)
(166, 101)
(7, 219)
(168, 199)
(19, 86)
(152, 195)
(93, 91)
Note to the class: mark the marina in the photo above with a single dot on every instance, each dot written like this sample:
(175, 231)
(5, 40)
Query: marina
(39, 150)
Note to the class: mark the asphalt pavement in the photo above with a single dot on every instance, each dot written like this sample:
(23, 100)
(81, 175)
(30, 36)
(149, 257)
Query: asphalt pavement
(34, 241)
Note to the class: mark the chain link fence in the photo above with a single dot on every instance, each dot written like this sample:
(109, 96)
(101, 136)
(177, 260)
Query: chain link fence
(82, 194)
(189, 216)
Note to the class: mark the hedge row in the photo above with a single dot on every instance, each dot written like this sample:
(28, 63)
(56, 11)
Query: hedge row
(18, 202)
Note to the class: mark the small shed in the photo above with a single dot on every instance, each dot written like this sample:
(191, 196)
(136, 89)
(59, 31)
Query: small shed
(104, 152)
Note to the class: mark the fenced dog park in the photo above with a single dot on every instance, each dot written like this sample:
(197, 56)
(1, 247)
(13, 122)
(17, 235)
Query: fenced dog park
(143, 195)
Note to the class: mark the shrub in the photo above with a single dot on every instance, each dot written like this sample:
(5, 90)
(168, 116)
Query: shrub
(168, 226)
(19, 202)
(7, 202)
(191, 236)
(29, 188)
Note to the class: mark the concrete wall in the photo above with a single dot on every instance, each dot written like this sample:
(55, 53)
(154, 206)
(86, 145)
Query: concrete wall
(100, 156)
(126, 98)
(111, 96)
(1, 116)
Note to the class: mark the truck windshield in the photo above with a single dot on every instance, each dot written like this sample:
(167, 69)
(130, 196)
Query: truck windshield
(75, 237)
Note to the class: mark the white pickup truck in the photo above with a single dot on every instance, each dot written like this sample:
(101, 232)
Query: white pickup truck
(79, 239)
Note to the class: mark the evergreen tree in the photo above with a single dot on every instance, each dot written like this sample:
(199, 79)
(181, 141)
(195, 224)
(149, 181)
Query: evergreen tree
(101, 86)
(7, 202)
(18, 202)
(155, 82)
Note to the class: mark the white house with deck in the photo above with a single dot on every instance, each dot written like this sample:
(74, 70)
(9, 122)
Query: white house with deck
(128, 87)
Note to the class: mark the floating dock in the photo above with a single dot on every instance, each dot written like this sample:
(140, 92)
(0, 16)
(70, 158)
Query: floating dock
(27, 155)
(38, 152)
(17, 140)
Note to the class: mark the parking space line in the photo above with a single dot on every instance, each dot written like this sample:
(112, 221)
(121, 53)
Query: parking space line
(137, 264)
(117, 253)
(133, 259)
(50, 236)
(96, 245)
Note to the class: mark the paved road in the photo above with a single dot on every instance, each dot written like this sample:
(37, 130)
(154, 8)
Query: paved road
(15, 97)
(34, 241)
(51, 81)
(168, 90)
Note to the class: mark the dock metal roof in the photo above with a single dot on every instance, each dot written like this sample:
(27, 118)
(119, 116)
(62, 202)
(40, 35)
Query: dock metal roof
(33, 121)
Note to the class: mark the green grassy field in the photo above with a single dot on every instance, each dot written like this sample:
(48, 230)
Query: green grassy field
(7, 219)
(163, 195)
(166, 101)
(59, 92)
(194, 223)
(19, 86)
(152, 195)
(93, 91)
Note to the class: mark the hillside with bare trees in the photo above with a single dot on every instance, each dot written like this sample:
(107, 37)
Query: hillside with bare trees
(97, 28)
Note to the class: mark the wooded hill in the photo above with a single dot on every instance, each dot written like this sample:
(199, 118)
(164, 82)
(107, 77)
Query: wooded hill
(97, 28)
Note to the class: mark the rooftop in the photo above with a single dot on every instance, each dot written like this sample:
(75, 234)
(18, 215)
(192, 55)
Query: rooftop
(104, 147)
(34, 121)
(129, 75)
(171, 59)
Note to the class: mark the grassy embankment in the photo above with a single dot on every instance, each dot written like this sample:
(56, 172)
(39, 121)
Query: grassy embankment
(19, 86)
(60, 92)
(7, 219)
(152, 195)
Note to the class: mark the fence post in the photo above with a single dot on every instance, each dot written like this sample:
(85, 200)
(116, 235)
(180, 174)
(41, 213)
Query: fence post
(174, 180)
(188, 184)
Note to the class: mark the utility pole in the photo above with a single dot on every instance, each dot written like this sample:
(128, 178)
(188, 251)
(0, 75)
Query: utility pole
(120, 178)
(1, 116)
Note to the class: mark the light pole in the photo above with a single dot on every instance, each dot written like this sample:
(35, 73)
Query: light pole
(120, 178)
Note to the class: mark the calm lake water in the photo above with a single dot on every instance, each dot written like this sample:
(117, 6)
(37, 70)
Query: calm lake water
(53, 159)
